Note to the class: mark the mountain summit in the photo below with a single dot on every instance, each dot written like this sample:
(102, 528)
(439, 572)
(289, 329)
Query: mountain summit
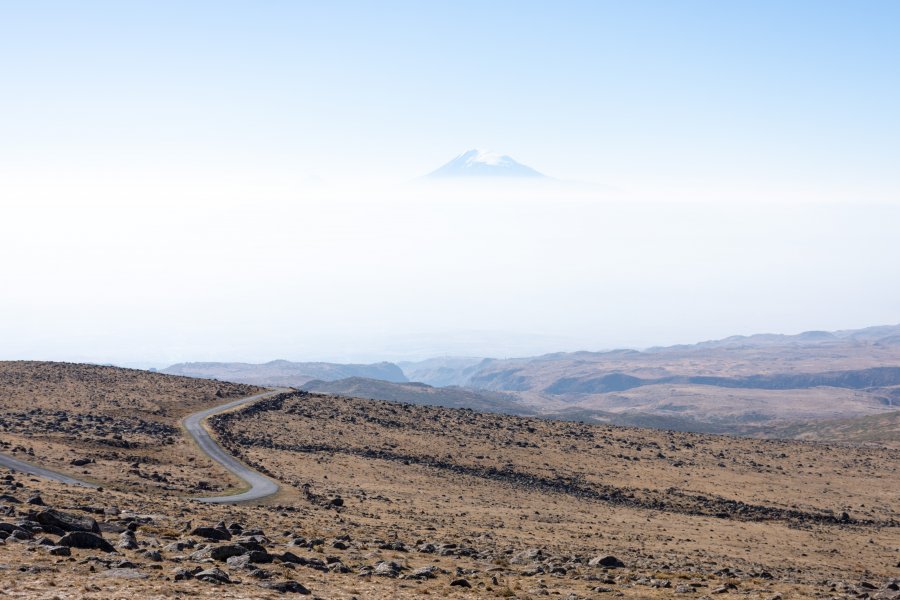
(481, 163)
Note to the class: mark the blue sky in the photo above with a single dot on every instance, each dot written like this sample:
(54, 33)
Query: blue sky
(722, 92)
(228, 180)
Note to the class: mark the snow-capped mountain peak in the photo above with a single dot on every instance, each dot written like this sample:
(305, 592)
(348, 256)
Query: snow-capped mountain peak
(484, 163)
(485, 157)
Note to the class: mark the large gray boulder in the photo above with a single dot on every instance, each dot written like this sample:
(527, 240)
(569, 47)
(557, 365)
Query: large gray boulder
(606, 561)
(86, 540)
(58, 520)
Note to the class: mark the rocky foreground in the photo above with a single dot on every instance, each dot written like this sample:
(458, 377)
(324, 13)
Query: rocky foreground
(51, 546)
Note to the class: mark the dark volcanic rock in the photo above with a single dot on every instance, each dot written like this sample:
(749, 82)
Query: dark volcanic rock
(153, 555)
(289, 557)
(213, 575)
(207, 551)
(287, 587)
(226, 551)
(58, 520)
(87, 540)
(212, 533)
(429, 572)
(181, 574)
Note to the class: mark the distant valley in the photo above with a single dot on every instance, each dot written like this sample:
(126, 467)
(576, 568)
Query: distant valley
(766, 385)
(421, 393)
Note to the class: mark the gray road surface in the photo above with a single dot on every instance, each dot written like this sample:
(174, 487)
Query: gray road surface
(260, 485)
(23, 467)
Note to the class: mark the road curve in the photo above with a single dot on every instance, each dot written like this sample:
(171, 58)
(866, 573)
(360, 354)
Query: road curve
(23, 467)
(260, 485)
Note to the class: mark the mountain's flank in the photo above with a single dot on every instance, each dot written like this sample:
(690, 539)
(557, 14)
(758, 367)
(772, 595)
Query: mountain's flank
(483, 163)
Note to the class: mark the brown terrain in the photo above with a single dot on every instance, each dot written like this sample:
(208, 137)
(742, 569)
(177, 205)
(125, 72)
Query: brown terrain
(109, 425)
(389, 500)
(744, 385)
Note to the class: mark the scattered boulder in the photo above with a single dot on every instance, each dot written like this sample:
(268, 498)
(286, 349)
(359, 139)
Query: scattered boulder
(528, 556)
(387, 569)
(239, 562)
(85, 540)
(153, 555)
(429, 572)
(127, 541)
(606, 561)
(179, 546)
(122, 564)
(395, 546)
(285, 587)
(289, 557)
(181, 574)
(213, 575)
(58, 520)
(260, 574)
(17, 533)
(215, 534)
(225, 551)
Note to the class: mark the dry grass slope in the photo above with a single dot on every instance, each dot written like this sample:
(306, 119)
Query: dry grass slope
(125, 422)
(385, 500)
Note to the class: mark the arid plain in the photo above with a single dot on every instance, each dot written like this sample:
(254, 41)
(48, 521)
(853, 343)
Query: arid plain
(386, 500)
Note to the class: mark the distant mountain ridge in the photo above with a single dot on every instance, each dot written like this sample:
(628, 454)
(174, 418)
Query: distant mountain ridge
(854, 380)
(484, 163)
(746, 385)
(420, 393)
(759, 385)
(506, 374)
(442, 371)
(286, 373)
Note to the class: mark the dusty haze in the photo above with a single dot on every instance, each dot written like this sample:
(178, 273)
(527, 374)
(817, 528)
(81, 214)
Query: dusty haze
(161, 273)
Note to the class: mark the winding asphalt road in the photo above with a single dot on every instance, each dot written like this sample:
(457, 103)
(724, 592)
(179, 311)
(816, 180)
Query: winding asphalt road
(260, 485)
(23, 467)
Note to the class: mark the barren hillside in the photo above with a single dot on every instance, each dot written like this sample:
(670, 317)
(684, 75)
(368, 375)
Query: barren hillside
(108, 425)
(390, 500)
